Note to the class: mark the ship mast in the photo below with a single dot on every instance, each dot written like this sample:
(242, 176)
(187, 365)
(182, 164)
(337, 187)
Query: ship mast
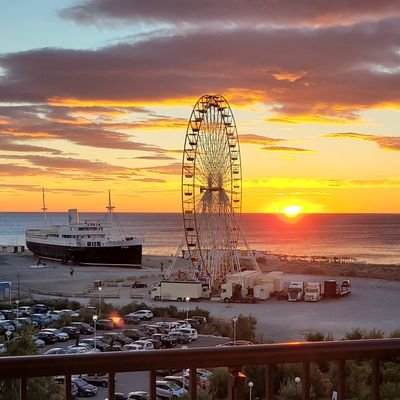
(44, 209)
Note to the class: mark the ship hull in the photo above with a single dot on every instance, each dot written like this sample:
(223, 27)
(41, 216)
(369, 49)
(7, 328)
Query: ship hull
(127, 255)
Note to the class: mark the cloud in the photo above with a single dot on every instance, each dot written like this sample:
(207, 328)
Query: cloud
(285, 149)
(52, 122)
(150, 180)
(249, 64)
(258, 139)
(228, 14)
(170, 169)
(391, 143)
(9, 143)
(323, 183)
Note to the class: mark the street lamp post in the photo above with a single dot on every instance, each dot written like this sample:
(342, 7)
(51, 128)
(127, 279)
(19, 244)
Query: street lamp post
(183, 370)
(235, 320)
(250, 384)
(187, 307)
(297, 379)
(100, 299)
(94, 326)
(17, 322)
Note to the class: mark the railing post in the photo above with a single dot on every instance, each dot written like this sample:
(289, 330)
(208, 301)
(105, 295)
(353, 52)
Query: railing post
(235, 383)
(67, 386)
(23, 388)
(152, 385)
(269, 381)
(111, 386)
(306, 381)
(375, 379)
(341, 364)
(192, 383)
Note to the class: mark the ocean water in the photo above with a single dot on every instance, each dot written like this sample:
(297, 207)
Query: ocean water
(371, 238)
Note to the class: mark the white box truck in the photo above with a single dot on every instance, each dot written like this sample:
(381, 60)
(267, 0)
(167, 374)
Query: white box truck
(179, 290)
(313, 291)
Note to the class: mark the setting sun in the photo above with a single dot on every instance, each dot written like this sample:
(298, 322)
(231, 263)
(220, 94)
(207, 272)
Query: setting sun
(292, 211)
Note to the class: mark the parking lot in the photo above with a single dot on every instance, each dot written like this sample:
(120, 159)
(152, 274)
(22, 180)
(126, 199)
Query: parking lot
(133, 381)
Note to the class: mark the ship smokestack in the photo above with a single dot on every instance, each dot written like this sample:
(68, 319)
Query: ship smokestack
(73, 216)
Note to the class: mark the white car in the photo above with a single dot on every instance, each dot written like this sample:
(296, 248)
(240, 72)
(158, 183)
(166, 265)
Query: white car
(60, 336)
(77, 350)
(190, 331)
(146, 344)
(55, 315)
(133, 347)
(143, 314)
(175, 389)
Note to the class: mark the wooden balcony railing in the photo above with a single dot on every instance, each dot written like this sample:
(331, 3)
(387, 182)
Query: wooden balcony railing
(268, 355)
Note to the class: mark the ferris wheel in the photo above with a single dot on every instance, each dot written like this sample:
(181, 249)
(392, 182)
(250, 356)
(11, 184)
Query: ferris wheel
(212, 189)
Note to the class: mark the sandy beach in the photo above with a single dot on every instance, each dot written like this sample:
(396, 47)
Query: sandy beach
(372, 304)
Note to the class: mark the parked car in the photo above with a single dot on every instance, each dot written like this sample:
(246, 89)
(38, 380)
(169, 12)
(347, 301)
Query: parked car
(55, 350)
(55, 315)
(47, 337)
(102, 346)
(60, 335)
(194, 323)
(191, 332)
(104, 324)
(83, 327)
(143, 314)
(70, 313)
(41, 319)
(72, 331)
(74, 390)
(24, 311)
(176, 390)
(137, 285)
(112, 337)
(138, 395)
(119, 396)
(84, 388)
(39, 343)
(178, 380)
(146, 344)
(77, 350)
(6, 325)
(133, 334)
(133, 347)
(166, 341)
(200, 318)
(131, 319)
(235, 343)
(40, 309)
(96, 379)
(180, 337)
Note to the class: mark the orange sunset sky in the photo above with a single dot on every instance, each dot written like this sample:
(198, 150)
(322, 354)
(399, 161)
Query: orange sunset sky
(95, 96)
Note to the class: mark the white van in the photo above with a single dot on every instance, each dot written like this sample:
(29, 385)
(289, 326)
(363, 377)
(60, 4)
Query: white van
(190, 331)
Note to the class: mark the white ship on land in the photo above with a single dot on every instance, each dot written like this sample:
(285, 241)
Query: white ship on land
(91, 242)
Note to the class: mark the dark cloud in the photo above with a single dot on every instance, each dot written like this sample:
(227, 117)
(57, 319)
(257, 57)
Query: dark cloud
(228, 14)
(66, 123)
(385, 142)
(329, 74)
